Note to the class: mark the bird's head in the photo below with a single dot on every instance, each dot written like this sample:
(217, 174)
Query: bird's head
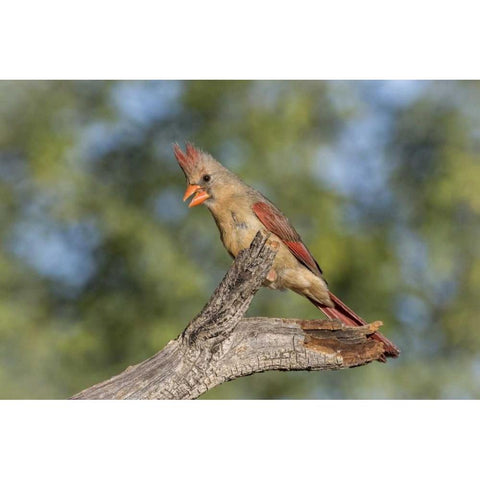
(207, 179)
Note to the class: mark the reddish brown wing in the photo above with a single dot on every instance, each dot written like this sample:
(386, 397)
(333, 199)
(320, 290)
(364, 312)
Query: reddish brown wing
(276, 222)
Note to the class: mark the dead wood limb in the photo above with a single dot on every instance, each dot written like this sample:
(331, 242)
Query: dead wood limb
(219, 345)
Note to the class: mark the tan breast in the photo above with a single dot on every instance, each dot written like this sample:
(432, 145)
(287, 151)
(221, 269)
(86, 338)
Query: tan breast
(236, 229)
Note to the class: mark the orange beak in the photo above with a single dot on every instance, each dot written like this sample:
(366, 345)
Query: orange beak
(200, 195)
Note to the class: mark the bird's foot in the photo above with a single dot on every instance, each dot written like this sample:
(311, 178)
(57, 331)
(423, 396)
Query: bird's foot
(271, 276)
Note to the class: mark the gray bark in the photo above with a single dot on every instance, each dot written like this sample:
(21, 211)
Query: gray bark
(219, 345)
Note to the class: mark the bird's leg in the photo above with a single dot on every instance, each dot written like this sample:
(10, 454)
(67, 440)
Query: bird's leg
(272, 274)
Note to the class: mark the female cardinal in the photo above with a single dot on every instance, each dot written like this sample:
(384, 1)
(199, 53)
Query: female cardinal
(240, 212)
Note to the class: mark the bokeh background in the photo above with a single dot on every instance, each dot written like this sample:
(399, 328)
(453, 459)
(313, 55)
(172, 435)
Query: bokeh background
(101, 264)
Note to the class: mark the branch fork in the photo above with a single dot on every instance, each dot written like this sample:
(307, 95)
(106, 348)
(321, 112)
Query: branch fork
(219, 345)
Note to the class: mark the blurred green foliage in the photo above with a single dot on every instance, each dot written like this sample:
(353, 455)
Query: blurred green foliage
(101, 263)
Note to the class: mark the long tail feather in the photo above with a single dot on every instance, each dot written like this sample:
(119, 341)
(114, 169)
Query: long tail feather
(346, 315)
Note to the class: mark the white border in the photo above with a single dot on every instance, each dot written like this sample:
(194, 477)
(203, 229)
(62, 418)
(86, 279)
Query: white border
(239, 439)
(344, 39)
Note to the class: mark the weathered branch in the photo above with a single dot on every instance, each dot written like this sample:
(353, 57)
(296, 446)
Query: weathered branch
(219, 345)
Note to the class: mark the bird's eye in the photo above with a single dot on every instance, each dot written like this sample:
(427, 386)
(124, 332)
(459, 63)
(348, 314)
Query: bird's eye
(206, 178)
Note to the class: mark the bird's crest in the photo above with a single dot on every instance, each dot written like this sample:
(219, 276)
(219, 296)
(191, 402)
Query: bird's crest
(189, 160)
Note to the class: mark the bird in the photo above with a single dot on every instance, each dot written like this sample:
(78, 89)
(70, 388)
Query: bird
(240, 211)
